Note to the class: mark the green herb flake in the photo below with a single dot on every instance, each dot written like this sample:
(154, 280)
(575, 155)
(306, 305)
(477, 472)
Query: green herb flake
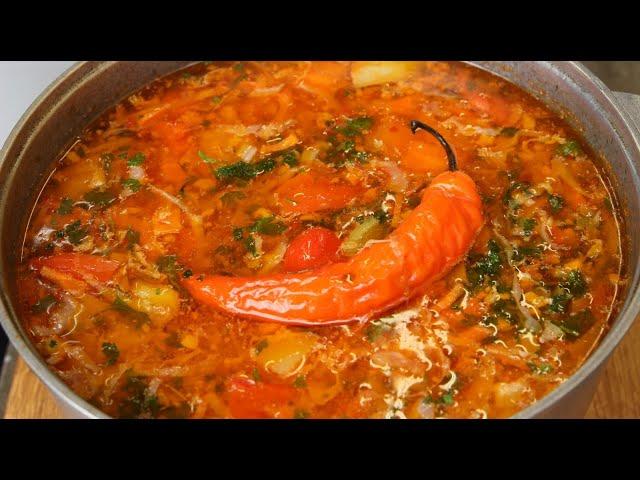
(66, 206)
(509, 131)
(110, 351)
(570, 148)
(488, 265)
(301, 414)
(131, 184)
(255, 374)
(556, 202)
(261, 345)
(300, 382)
(523, 251)
(290, 158)
(132, 237)
(238, 233)
(447, 399)
(559, 303)
(250, 245)
(542, 369)
(245, 171)
(43, 305)
(106, 159)
(216, 99)
(75, 233)
(545, 368)
(139, 318)
(268, 226)
(576, 283)
(374, 330)
(53, 344)
(99, 198)
(229, 198)
(528, 224)
(355, 126)
(205, 158)
(136, 160)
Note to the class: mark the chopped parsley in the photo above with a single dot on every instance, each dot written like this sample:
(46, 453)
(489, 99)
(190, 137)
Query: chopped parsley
(136, 160)
(570, 148)
(229, 198)
(238, 233)
(66, 205)
(75, 233)
(486, 266)
(245, 171)
(528, 224)
(138, 402)
(261, 345)
(268, 226)
(556, 202)
(300, 382)
(106, 159)
(508, 131)
(355, 126)
(139, 318)
(560, 302)
(542, 369)
(131, 184)
(576, 283)
(99, 198)
(374, 330)
(290, 158)
(577, 323)
(132, 237)
(205, 158)
(110, 351)
(250, 245)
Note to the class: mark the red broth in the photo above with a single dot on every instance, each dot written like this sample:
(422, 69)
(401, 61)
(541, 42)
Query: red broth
(255, 169)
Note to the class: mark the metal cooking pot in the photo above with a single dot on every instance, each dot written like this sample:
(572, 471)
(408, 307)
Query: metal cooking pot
(609, 121)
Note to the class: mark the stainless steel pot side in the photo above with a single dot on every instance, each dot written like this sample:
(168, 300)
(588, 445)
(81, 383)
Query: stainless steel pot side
(609, 121)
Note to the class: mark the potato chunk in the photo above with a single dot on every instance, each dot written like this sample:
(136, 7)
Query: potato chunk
(160, 302)
(364, 74)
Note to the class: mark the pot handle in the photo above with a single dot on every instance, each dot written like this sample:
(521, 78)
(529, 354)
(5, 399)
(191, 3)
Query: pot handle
(631, 104)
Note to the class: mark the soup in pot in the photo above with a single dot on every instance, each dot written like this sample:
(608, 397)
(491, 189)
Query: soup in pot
(322, 240)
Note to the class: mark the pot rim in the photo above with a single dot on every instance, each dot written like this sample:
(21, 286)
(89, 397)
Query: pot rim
(609, 342)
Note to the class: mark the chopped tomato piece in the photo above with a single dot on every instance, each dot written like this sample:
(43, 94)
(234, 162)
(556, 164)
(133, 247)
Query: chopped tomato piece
(80, 265)
(249, 399)
(313, 248)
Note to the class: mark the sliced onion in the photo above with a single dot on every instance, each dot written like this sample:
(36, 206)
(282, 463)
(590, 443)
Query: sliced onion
(398, 179)
(530, 323)
(136, 172)
(261, 92)
(247, 152)
(63, 318)
(550, 332)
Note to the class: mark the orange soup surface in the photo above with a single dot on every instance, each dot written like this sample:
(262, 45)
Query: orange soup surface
(257, 169)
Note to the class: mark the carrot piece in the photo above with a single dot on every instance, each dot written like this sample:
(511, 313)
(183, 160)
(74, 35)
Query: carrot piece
(307, 193)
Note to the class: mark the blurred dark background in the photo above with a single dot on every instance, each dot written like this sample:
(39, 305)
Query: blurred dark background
(621, 76)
